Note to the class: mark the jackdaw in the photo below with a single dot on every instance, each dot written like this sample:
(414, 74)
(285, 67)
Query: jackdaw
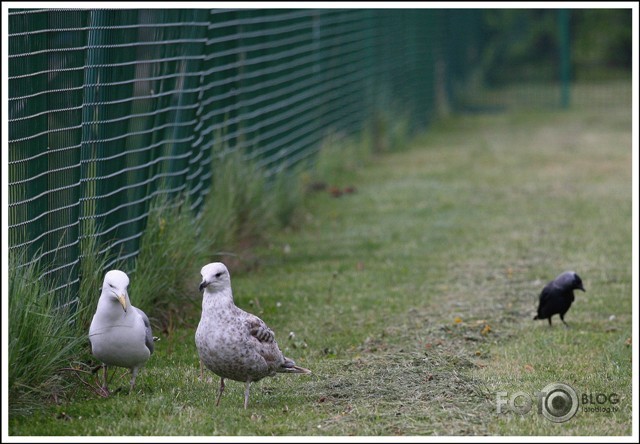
(557, 296)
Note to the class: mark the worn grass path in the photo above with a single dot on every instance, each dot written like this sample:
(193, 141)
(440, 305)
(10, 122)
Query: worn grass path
(412, 299)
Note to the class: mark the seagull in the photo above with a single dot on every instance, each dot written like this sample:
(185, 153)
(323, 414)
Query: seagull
(232, 343)
(557, 296)
(120, 334)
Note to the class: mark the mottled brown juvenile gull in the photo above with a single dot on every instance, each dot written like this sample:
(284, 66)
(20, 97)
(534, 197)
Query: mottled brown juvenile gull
(232, 343)
(120, 334)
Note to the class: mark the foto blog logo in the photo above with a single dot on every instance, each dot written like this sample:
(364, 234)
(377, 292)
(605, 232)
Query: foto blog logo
(557, 402)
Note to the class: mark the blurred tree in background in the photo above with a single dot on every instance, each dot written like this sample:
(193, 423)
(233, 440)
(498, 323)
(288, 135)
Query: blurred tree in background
(523, 44)
(601, 42)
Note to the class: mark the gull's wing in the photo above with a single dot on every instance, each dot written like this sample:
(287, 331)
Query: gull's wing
(148, 339)
(258, 329)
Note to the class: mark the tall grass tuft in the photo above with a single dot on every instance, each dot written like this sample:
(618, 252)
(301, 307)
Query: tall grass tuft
(42, 335)
(237, 208)
(94, 263)
(170, 257)
(286, 194)
(339, 157)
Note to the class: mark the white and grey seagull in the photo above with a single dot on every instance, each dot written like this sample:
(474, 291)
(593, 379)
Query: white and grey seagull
(120, 334)
(232, 343)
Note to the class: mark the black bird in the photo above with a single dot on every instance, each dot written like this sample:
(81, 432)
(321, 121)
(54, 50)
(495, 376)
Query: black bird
(557, 296)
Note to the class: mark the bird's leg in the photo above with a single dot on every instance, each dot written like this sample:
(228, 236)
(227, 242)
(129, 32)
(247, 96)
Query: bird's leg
(201, 371)
(104, 376)
(105, 389)
(246, 394)
(550, 324)
(134, 373)
(562, 319)
(220, 391)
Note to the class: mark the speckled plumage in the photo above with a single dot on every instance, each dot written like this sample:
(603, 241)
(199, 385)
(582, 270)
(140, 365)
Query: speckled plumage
(232, 343)
(120, 334)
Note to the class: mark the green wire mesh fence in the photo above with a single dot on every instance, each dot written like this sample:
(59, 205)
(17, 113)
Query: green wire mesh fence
(111, 108)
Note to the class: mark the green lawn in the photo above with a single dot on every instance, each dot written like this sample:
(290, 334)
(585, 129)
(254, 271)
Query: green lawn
(412, 299)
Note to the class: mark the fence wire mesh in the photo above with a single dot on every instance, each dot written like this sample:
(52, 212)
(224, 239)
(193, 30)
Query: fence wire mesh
(111, 108)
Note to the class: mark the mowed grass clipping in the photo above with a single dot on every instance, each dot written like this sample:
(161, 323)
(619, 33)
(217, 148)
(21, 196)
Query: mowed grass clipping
(412, 299)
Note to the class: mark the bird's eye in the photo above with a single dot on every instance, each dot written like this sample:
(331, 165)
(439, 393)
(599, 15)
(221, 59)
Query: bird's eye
(219, 274)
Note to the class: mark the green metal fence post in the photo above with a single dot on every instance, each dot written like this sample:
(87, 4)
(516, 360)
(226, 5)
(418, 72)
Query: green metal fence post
(565, 57)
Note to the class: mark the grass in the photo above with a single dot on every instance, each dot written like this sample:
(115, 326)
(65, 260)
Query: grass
(412, 299)
(169, 250)
(42, 336)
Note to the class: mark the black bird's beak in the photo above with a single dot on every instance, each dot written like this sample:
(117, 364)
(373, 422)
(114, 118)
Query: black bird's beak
(582, 288)
(203, 285)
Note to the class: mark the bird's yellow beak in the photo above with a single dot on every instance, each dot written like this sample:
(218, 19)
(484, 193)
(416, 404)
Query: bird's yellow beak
(122, 301)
